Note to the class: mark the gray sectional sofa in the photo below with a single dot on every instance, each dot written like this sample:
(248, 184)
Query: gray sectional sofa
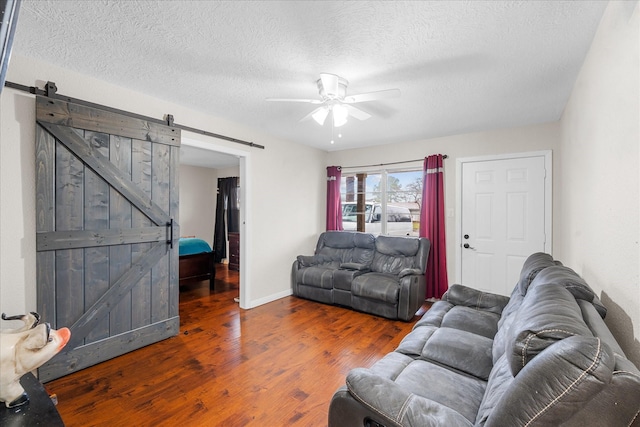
(543, 357)
(379, 275)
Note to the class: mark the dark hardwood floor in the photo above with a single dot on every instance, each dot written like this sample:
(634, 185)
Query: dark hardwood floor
(274, 365)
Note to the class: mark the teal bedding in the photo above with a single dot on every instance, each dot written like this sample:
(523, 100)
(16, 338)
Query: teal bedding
(192, 246)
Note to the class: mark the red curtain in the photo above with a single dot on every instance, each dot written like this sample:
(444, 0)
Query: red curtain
(334, 208)
(432, 226)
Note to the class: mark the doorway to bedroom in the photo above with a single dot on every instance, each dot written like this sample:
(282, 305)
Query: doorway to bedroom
(205, 163)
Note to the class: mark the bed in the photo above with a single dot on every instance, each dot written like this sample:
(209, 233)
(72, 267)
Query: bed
(196, 261)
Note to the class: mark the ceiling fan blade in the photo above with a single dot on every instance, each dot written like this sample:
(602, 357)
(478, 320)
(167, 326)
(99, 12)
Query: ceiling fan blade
(330, 84)
(372, 96)
(319, 115)
(357, 113)
(307, 101)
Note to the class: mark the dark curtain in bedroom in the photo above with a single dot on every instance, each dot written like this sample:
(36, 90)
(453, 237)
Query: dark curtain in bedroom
(227, 201)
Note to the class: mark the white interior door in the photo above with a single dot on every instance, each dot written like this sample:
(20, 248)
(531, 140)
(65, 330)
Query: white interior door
(505, 217)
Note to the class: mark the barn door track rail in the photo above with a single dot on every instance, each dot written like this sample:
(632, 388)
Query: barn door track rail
(51, 90)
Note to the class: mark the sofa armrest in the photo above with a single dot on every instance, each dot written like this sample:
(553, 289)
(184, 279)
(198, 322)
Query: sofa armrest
(469, 297)
(396, 405)
(413, 288)
(311, 260)
(409, 271)
(559, 383)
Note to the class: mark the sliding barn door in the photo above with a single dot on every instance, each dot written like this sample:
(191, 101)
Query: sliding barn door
(107, 208)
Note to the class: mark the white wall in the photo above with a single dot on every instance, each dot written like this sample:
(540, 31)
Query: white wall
(17, 203)
(599, 182)
(516, 140)
(198, 202)
(285, 179)
(229, 172)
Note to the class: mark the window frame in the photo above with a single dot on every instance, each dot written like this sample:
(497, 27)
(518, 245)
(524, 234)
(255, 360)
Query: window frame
(383, 190)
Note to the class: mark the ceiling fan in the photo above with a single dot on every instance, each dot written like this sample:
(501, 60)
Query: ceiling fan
(334, 100)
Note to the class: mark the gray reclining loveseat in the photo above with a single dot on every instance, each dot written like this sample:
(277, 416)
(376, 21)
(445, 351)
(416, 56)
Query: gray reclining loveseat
(543, 357)
(379, 275)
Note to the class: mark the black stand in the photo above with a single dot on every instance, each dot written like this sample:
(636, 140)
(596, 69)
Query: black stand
(39, 411)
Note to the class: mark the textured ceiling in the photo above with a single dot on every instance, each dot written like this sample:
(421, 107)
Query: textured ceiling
(461, 66)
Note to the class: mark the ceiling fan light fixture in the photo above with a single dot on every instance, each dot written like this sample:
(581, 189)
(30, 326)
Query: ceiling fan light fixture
(320, 115)
(331, 86)
(333, 91)
(340, 114)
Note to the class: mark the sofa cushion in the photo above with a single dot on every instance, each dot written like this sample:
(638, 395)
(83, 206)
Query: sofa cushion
(390, 264)
(460, 350)
(534, 264)
(434, 316)
(319, 276)
(342, 279)
(341, 240)
(414, 342)
(391, 365)
(457, 391)
(394, 254)
(548, 313)
(363, 240)
(376, 286)
(346, 247)
(469, 297)
(397, 246)
(447, 394)
(517, 295)
(571, 281)
(336, 256)
(500, 340)
(395, 405)
(478, 322)
(316, 293)
(499, 380)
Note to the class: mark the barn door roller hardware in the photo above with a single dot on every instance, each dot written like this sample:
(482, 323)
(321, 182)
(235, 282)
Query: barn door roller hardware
(51, 90)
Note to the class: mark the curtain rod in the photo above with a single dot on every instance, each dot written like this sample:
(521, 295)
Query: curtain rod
(444, 156)
(50, 91)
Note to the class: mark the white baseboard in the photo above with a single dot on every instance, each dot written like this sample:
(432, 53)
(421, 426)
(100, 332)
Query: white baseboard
(270, 298)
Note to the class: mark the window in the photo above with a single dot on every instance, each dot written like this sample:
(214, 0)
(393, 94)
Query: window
(385, 202)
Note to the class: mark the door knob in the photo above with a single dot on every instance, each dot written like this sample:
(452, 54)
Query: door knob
(468, 246)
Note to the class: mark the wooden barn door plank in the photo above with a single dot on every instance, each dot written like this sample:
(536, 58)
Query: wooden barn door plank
(141, 177)
(58, 111)
(96, 223)
(101, 350)
(174, 210)
(160, 274)
(99, 237)
(45, 222)
(120, 217)
(69, 267)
